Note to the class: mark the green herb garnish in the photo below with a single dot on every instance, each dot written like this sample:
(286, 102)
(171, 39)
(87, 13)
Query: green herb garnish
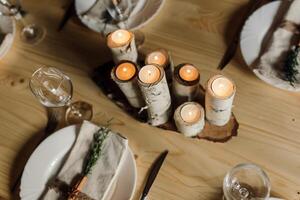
(95, 150)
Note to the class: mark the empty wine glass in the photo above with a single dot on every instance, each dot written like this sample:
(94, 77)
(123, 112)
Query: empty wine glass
(30, 33)
(246, 182)
(54, 89)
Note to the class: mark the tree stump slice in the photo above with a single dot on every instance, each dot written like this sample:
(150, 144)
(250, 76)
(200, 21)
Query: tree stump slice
(102, 78)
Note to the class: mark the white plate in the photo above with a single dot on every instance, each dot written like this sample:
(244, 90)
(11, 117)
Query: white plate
(255, 29)
(142, 15)
(47, 158)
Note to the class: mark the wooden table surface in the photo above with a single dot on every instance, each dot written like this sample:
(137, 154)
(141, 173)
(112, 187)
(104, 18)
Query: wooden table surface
(195, 31)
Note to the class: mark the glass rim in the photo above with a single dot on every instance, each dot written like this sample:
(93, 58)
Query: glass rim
(259, 170)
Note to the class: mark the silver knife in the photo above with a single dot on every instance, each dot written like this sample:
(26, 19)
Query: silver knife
(153, 173)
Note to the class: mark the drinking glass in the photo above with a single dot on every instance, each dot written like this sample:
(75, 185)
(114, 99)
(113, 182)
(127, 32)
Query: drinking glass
(54, 89)
(120, 10)
(246, 182)
(30, 33)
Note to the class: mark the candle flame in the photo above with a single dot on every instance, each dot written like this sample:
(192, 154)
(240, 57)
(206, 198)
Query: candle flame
(119, 34)
(125, 69)
(156, 57)
(188, 71)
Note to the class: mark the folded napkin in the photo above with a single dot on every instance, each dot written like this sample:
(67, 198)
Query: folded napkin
(271, 62)
(97, 16)
(102, 179)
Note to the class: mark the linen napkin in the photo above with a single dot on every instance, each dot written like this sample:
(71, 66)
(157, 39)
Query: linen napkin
(96, 16)
(272, 60)
(101, 181)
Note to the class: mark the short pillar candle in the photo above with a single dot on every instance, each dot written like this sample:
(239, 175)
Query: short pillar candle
(189, 118)
(219, 97)
(162, 58)
(122, 45)
(186, 83)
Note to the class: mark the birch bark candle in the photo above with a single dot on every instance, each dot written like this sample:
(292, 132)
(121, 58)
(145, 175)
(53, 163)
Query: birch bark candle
(125, 76)
(219, 97)
(122, 45)
(189, 118)
(161, 57)
(154, 87)
(186, 83)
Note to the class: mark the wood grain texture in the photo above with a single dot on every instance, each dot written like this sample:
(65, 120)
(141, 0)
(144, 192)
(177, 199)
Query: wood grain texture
(195, 31)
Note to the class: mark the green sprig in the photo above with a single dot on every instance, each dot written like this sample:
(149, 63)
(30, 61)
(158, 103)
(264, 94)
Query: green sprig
(290, 68)
(95, 150)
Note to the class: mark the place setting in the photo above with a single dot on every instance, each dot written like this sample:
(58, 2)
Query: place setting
(79, 159)
(270, 44)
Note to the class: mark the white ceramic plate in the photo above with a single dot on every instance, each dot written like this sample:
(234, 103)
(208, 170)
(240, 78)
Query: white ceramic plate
(255, 29)
(142, 15)
(47, 158)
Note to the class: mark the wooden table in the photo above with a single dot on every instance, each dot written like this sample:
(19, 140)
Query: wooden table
(195, 31)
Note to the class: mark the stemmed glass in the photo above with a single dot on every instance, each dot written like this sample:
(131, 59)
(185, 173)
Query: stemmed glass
(246, 182)
(120, 10)
(54, 89)
(30, 33)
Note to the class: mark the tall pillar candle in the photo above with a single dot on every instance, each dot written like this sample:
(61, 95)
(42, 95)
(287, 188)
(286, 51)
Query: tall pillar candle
(125, 76)
(219, 97)
(122, 45)
(189, 118)
(186, 83)
(162, 58)
(154, 87)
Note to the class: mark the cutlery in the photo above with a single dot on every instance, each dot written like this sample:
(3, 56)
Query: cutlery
(231, 49)
(153, 173)
(69, 12)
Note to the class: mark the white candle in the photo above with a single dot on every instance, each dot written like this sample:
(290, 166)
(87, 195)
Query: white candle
(222, 87)
(121, 37)
(125, 76)
(125, 71)
(149, 74)
(219, 97)
(189, 118)
(188, 73)
(190, 113)
(153, 84)
(186, 83)
(159, 57)
(122, 45)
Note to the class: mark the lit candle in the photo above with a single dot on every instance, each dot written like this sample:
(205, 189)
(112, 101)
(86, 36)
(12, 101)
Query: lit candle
(219, 97)
(125, 71)
(122, 45)
(125, 76)
(149, 74)
(120, 37)
(153, 84)
(189, 118)
(162, 58)
(159, 57)
(190, 113)
(188, 73)
(222, 87)
(186, 83)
